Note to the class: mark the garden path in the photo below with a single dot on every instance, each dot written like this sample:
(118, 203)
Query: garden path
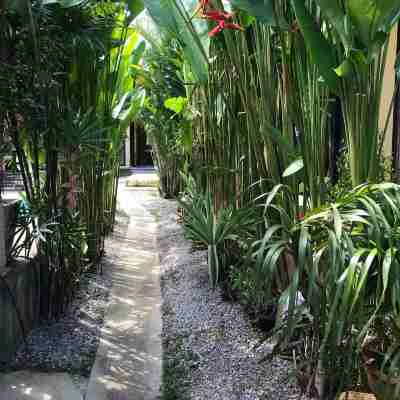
(31, 385)
(128, 362)
(141, 177)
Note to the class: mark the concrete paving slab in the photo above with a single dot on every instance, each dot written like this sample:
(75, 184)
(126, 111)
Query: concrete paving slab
(128, 362)
(143, 178)
(357, 396)
(27, 385)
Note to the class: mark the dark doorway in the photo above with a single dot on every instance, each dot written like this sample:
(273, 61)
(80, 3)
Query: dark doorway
(140, 150)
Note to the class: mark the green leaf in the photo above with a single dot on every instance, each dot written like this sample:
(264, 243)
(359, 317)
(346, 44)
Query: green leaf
(130, 44)
(386, 267)
(135, 7)
(262, 10)
(345, 69)
(158, 11)
(18, 5)
(187, 138)
(138, 53)
(176, 104)
(121, 104)
(293, 168)
(246, 19)
(363, 277)
(322, 53)
(337, 222)
(173, 18)
(134, 101)
(332, 9)
(271, 196)
(277, 136)
(371, 16)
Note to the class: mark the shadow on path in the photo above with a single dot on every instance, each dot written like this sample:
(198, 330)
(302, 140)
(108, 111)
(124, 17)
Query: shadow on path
(128, 362)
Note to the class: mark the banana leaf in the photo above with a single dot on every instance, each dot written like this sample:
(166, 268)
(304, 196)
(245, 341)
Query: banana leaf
(263, 11)
(172, 17)
(320, 49)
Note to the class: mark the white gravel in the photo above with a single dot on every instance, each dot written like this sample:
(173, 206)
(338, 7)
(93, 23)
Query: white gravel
(219, 352)
(208, 344)
(70, 344)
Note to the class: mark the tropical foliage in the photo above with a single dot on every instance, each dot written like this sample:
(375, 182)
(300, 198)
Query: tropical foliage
(287, 133)
(164, 114)
(265, 115)
(66, 99)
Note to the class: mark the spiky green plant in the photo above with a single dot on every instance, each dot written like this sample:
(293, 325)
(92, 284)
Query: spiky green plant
(214, 229)
(344, 263)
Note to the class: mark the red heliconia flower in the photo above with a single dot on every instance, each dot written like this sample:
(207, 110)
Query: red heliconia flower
(224, 25)
(222, 18)
(217, 15)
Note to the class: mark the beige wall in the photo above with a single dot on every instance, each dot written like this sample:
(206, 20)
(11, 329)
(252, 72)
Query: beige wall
(388, 92)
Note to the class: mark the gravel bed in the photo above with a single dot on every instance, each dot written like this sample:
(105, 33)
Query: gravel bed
(210, 349)
(70, 344)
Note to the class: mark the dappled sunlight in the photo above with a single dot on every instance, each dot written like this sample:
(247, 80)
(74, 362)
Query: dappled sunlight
(128, 364)
(37, 386)
(271, 130)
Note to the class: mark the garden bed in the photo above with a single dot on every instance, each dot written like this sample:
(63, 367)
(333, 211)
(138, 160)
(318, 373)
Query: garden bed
(70, 344)
(211, 350)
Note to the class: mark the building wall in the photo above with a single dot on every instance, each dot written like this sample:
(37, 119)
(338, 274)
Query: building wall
(388, 93)
(19, 304)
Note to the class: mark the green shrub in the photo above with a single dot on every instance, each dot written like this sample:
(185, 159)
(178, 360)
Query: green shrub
(215, 229)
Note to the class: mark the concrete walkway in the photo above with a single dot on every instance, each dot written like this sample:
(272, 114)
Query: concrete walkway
(128, 363)
(143, 177)
(29, 385)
